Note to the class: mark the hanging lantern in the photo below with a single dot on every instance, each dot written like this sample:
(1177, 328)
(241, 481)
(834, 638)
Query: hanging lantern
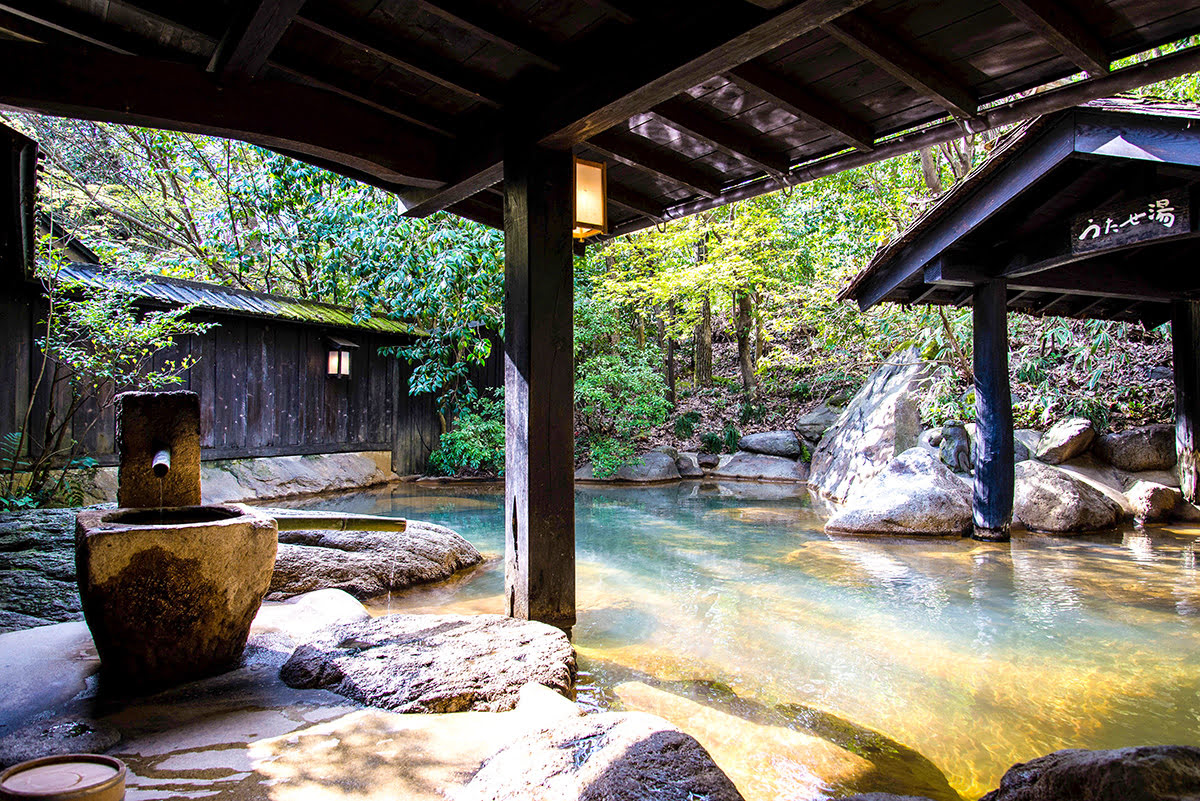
(339, 356)
(590, 216)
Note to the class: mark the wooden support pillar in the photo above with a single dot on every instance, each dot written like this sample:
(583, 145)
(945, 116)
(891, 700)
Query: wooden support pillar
(994, 481)
(539, 463)
(1185, 335)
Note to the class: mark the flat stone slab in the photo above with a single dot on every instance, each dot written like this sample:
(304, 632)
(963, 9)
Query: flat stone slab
(758, 466)
(367, 564)
(435, 663)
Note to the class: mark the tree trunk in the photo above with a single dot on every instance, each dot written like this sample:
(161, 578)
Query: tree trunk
(745, 323)
(929, 169)
(704, 346)
(760, 337)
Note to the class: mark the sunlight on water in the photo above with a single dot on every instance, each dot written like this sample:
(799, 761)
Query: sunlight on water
(975, 655)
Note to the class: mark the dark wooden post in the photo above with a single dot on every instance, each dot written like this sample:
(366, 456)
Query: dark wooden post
(1185, 331)
(539, 464)
(994, 483)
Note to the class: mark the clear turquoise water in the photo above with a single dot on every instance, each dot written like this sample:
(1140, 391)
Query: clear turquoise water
(975, 655)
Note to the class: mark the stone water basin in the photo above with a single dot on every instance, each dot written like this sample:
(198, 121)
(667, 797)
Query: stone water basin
(169, 594)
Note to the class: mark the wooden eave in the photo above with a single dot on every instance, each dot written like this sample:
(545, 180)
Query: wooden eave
(1011, 220)
(692, 104)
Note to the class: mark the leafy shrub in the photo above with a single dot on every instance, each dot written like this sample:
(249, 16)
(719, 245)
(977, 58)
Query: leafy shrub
(685, 424)
(730, 437)
(751, 412)
(475, 445)
(711, 442)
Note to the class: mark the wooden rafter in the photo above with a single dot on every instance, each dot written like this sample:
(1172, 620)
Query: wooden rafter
(760, 81)
(632, 201)
(649, 158)
(440, 71)
(1062, 29)
(684, 117)
(615, 10)
(484, 21)
(76, 25)
(252, 34)
(313, 124)
(863, 37)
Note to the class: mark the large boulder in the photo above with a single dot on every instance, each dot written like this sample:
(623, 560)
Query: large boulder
(688, 465)
(1025, 442)
(610, 755)
(1153, 502)
(435, 663)
(761, 467)
(814, 424)
(772, 443)
(368, 563)
(915, 494)
(281, 476)
(1065, 440)
(1054, 500)
(881, 422)
(649, 468)
(37, 568)
(1139, 449)
(1146, 773)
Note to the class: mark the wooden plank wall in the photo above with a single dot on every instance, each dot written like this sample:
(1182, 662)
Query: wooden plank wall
(263, 392)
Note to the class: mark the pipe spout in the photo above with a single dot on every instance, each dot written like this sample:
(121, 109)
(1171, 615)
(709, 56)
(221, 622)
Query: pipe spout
(161, 464)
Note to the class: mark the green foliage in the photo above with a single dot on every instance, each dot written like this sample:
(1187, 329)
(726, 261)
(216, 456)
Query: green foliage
(712, 442)
(475, 444)
(730, 436)
(685, 424)
(751, 412)
(94, 342)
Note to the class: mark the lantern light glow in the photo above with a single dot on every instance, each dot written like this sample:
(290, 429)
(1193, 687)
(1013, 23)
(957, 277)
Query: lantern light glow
(590, 198)
(339, 357)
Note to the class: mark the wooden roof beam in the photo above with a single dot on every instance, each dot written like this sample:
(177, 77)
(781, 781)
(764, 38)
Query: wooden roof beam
(444, 73)
(652, 159)
(863, 37)
(614, 10)
(685, 118)
(757, 80)
(309, 123)
(60, 21)
(487, 23)
(633, 201)
(1062, 29)
(252, 34)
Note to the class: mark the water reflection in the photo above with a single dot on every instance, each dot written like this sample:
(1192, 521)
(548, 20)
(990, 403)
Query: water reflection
(975, 655)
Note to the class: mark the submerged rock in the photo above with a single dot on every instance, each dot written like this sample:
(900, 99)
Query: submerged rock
(772, 443)
(881, 422)
(645, 469)
(1139, 449)
(1065, 440)
(610, 755)
(434, 663)
(1054, 500)
(368, 563)
(1147, 773)
(915, 494)
(760, 466)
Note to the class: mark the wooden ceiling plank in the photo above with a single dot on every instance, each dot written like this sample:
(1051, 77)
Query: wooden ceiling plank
(655, 160)
(686, 119)
(901, 62)
(1062, 30)
(487, 23)
(276, 114)
(758, 80)
(613, 10)
(442, 72)
(252, 34)
(362, 92)
(72, 23)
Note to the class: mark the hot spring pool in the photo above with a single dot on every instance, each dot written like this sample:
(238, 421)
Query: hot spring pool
(975, 655)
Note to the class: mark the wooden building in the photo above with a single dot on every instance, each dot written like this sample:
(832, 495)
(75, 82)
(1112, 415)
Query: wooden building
(1092, 212)
(477, 108)
(262, 372)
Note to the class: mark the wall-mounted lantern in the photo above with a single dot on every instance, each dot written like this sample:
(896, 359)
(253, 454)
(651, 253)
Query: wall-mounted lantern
(339, 356)
(590, 213)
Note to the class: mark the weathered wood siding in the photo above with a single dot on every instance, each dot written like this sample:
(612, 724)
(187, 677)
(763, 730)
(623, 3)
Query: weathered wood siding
(263, 392)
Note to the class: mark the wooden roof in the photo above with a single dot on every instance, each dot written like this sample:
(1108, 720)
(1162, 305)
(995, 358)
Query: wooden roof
(692, 103)
(1129, 166)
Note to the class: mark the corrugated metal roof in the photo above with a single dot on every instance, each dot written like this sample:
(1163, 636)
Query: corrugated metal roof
(212, 297)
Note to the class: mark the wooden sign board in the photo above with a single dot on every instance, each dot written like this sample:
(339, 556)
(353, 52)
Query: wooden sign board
(1154, 217)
